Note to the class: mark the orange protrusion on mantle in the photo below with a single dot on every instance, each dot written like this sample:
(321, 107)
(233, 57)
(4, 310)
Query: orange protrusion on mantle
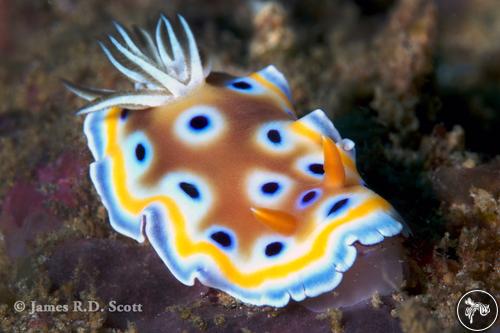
(334, 169)
(279, 221)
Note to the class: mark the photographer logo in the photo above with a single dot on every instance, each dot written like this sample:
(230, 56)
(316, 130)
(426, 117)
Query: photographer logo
(477, 310)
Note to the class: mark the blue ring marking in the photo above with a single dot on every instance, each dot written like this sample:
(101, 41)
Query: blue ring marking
(316, 168)
(273, 249)
(272, 136)
(271, 188)
(217, 229)
(303, 165)
(258, 179)
(222, 238)
(246, 85)
(241, 84)
(124, 114)
(308, 198)
(199, 124)
(140, 152)
(337, 206)
(190, 189)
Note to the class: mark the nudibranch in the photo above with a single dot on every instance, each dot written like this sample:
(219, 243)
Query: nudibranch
(222, 178)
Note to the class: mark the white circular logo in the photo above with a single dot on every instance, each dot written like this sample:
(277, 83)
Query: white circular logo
(477, 310)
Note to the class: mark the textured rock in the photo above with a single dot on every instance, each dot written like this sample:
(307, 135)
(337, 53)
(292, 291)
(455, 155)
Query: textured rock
(128, 273)
(26, 211)
(454, 184)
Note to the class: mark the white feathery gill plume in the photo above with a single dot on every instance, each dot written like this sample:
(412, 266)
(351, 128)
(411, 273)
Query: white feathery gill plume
(158, 76)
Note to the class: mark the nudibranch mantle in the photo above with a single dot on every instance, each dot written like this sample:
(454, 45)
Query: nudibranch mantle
(220, 176)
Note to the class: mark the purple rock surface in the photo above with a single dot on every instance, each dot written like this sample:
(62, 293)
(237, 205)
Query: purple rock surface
(129, 273)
